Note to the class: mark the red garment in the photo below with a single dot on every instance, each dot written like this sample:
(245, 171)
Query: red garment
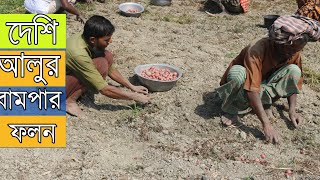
(103, 65)
(301, 3)
(309, 8)
(245, 5)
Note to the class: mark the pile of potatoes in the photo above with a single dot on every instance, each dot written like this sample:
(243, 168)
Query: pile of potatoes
(159, 74)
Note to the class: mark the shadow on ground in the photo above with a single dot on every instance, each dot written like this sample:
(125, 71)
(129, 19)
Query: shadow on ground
(211, 107)
(88, 100)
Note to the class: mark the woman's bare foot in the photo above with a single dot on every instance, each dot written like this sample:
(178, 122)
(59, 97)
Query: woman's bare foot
(228, 119)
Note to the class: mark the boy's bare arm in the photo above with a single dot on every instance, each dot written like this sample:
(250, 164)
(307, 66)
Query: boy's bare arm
(116, 76)
(117, 93)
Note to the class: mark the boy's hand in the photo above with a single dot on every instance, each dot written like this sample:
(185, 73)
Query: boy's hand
(140, 89)
(141, 98)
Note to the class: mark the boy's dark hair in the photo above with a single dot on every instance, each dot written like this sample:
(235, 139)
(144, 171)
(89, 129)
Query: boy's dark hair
(97, 26)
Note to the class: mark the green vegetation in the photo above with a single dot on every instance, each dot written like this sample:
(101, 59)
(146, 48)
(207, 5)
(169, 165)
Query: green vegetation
(312, 78)
(12, 7)
(183, 19)
(231, 54)
(135, 109)
(85, 7)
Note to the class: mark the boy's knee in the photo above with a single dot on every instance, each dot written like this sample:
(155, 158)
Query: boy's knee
(109, 57)
(294, 70)
(108, 54)
(238, 74)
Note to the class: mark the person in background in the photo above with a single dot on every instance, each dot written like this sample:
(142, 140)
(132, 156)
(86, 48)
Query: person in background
(231, 6)
(267, 70)
(309, 8)
(100, 1)
(89, 63)
(52, 6)
(236, 6)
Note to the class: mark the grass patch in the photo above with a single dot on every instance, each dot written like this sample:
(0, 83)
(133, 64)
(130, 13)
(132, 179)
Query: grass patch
(135, 110)
(237, 29)
(12, 7)
(312, 78)
(231, 54)
(85, 6)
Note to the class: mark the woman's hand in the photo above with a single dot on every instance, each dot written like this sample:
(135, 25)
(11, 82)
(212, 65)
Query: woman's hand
(295, 118)
(272, 136)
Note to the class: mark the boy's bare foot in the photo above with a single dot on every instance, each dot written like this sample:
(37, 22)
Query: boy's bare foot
(229, 120)
(74, 109)
(72, 106)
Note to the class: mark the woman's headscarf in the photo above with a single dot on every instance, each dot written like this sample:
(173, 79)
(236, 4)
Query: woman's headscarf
(287, 29)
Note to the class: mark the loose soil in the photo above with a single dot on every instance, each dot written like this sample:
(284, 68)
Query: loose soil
(178, 136)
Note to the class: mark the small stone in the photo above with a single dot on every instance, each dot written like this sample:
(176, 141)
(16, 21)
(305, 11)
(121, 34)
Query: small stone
(310, 117)
(166, 132)
(203, 166)
(204, 177)
(237, 131)
(243, 135)
(148, 169)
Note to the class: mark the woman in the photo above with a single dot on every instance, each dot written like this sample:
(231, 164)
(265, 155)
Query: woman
(266, 70)
(51, 7)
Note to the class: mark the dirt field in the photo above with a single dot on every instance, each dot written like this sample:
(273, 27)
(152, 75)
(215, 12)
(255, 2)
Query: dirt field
(180, 135)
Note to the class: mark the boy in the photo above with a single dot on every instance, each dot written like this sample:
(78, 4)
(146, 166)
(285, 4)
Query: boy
(88, 64)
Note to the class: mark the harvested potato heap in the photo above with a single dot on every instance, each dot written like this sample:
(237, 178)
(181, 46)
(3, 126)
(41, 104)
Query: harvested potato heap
(159, 74)
(132, 11)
